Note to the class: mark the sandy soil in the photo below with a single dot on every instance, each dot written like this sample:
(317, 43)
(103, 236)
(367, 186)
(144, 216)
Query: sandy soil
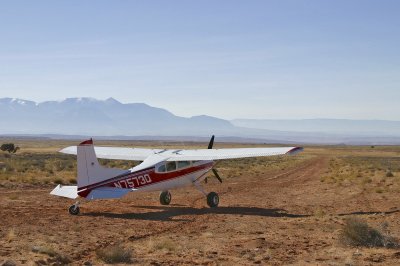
(278, 218)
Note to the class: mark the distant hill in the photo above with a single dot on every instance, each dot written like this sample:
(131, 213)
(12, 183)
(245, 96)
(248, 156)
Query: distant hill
(115, 120)
(328, 126)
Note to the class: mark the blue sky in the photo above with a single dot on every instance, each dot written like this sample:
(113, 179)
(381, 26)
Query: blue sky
(230, 59)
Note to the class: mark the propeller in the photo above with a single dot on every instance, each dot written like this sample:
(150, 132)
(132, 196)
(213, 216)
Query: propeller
(210, 145)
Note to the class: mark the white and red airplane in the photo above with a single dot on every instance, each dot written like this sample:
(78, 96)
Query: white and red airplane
(160, 170)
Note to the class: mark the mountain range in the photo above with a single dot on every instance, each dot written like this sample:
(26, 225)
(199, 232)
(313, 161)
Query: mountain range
(113, 119)
(328, 126)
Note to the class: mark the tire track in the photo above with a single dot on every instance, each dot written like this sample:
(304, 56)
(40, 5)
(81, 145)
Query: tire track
(306, 173)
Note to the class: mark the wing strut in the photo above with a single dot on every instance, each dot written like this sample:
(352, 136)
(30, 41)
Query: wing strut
(210, 146)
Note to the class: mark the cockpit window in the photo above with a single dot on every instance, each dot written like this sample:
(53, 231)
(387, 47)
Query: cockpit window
(171, 166)
(161, 168)
(183, 164)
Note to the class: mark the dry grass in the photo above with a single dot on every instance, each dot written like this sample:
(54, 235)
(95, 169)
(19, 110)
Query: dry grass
(163, 244)
(319, 212)
(13, 197)
(369, 172)
(37, 168)
(38, 162)
(10, 236)
(60, 259)
(259, 166)
(45, 168)
(114, 254)
(356, 232)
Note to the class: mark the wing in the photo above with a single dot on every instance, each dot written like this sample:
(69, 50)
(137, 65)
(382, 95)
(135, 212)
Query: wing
(116, 153)
(138, 154)
(221, 154)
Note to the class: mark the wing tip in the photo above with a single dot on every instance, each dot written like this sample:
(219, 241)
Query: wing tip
(295, 150)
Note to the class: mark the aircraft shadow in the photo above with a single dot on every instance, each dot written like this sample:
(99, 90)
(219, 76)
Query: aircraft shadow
(368, 213)
(169, 213)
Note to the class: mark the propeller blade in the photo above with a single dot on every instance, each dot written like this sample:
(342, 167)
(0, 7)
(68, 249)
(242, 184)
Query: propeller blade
(217, 175)
(210, 145)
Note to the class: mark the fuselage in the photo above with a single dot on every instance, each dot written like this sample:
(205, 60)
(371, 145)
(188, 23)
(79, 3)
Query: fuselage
(162, 176)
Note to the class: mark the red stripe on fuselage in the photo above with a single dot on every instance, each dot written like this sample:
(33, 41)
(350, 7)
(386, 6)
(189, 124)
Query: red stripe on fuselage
(143, 178)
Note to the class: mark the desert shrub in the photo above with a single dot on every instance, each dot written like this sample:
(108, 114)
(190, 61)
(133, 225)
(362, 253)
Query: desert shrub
(59, 180)
(114, 254)
(356, 232)
(10, 147)
(389, 174)
(72, 180)
(51, 252)
(319, 212)
(165, 244)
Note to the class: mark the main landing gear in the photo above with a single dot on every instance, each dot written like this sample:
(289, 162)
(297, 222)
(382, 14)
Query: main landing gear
(74, 209)
(165, 198)
(212, 198)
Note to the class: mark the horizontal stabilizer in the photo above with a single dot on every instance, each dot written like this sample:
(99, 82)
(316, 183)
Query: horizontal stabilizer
(108, 193)
(65, 191)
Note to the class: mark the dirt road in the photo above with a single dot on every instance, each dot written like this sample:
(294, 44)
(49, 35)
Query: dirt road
(281, 217)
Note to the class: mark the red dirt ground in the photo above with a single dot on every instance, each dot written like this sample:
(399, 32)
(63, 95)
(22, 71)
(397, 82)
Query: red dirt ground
(278, 218)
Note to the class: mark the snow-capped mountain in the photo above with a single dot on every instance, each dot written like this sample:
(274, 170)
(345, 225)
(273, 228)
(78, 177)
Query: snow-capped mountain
(88, 116)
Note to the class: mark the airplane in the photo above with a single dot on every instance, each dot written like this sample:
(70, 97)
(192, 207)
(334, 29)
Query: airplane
(160, 170)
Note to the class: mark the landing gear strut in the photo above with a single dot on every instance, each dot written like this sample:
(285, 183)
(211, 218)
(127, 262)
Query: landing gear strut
(212, 197)
(74, 209)
(165, 198)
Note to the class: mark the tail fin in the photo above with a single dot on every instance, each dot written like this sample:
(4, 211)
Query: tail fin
(89, 170)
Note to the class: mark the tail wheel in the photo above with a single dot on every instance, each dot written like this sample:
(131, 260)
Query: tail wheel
(73, 210)
(212, 199)
(165, 198)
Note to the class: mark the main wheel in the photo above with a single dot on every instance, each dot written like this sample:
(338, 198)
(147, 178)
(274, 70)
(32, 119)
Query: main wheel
(165, 197)
(73, 210)
(212, 199)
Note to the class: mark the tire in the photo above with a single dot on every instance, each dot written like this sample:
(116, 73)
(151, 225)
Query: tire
(165, 198)
(73, 210)
(212, 199)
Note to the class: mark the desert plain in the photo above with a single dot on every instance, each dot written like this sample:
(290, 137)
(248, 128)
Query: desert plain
(273, 211)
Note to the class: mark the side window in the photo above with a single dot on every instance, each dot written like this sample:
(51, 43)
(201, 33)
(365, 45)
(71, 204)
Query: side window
(183, 164)
(161, 168)
(171, 166)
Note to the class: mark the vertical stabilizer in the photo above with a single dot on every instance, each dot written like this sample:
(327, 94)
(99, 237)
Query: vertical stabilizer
(89, 170)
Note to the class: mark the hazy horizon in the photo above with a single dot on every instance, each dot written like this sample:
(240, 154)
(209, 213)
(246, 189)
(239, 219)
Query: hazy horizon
(244, 118)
